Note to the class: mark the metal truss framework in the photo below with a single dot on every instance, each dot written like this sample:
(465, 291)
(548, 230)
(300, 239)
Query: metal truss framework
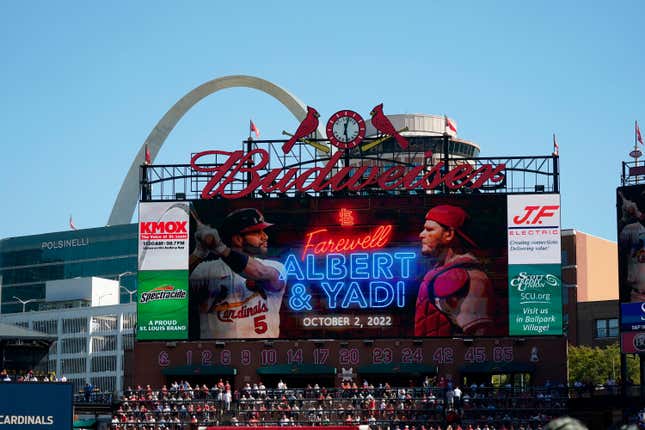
(633, 173)
(522, 175)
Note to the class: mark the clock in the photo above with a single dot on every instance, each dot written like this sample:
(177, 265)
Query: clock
(345, 129)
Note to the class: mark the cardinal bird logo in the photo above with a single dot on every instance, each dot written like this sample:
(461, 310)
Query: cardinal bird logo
(306, 127)
(383, 125)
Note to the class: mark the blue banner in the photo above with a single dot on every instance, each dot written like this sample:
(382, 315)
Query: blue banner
(35, 406)
(633, 316)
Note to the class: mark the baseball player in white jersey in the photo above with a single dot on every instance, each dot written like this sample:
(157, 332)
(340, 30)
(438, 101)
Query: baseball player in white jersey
(244, 292)
(632, 243)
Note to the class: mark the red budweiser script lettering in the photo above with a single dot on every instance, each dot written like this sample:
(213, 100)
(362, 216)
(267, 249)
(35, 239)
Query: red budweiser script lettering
(150, 230)
(329, 176)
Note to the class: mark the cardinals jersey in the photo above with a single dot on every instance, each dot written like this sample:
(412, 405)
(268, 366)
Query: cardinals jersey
(235, 307)
(435, 310)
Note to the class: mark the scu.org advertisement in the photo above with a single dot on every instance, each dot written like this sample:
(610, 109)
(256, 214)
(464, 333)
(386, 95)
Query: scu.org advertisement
(36, 406)
(408, 266)
(162, 302)
(631, 266)
(534, 270)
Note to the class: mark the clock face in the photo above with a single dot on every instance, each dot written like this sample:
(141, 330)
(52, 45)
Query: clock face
(345, 129)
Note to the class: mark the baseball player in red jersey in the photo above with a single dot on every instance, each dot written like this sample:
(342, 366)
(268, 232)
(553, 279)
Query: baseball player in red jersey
(455, 296)
(242, 292)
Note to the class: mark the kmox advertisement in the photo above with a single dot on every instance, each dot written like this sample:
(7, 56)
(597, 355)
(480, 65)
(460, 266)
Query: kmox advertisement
(162, 302)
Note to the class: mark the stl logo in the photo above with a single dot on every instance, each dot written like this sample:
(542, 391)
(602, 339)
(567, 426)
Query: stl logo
(163, 359)
(535, 355)
(533, 214)
(346, 217)
(347, 374)
(639, 342)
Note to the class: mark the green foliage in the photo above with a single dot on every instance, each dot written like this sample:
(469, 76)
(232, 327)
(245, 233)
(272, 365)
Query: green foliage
(596, 365)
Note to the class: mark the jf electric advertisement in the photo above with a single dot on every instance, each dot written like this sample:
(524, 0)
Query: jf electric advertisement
(631, 267)
(372, 267)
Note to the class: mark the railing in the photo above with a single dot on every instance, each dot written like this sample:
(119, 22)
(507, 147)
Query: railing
(633, 173)
(182, 182)
(97, 397)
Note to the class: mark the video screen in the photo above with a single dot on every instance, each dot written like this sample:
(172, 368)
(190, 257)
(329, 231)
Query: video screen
(630, 204)
(348, 267)
(351, 267)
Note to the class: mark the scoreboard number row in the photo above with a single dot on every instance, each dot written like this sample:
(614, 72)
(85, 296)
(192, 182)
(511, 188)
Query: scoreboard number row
(346, 356)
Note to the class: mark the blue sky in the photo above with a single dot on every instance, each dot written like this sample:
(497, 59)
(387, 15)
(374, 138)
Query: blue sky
(83, 84)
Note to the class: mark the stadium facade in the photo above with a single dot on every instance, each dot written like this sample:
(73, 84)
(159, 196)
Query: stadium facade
(348, 314)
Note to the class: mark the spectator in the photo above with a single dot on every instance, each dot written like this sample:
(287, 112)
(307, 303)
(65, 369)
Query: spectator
(228, 398)
(87, 391)
(450, 397)
(457, 397)
(31, 377)
(393, 408)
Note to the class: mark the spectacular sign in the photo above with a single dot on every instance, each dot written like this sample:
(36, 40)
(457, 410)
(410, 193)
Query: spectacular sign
(345, 130)
(329, 176)
(304, 262)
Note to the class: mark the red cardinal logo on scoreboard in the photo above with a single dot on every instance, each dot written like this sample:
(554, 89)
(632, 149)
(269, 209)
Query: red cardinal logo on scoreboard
(383, 125)
(306, 127)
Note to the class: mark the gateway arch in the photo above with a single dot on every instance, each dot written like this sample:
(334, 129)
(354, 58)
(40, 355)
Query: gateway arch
(126, 201)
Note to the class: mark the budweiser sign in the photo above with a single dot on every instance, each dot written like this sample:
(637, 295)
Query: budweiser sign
(329, 176)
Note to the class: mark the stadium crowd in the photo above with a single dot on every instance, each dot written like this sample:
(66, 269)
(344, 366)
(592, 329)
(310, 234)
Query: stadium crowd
(30, 376)
(436, 404)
